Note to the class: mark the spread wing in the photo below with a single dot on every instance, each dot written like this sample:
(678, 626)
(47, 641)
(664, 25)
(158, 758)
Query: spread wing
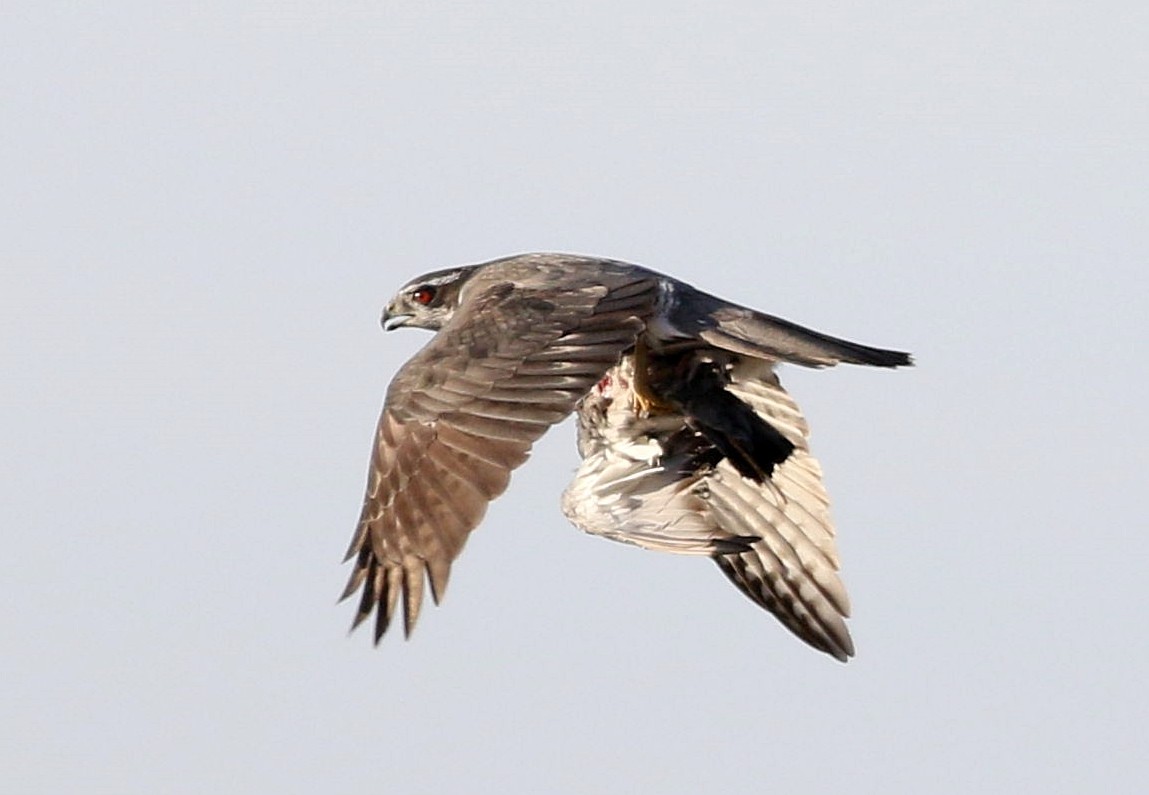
(722, 469)
(463, 413)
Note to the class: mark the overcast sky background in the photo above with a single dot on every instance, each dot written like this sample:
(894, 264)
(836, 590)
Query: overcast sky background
(204, 210)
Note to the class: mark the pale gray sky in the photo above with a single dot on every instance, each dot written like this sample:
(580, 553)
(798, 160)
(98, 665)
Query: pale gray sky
(205, 209)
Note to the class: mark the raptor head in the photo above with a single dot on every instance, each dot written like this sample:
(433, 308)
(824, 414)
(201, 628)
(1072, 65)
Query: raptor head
(427, 301)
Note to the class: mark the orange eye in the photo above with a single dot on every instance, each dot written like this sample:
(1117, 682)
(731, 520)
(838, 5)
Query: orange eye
(423, 295)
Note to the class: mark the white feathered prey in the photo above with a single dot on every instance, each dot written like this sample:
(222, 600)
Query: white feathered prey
(689, 443)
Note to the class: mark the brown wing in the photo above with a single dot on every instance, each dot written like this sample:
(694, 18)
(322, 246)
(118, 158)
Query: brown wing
(464, 412)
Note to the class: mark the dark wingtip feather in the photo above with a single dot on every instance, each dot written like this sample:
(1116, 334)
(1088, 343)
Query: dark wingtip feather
(366, 604)
(834, 641)
(842, 655)
(384, 601)
(734, 545)
(412, 596)
(389, 587)
(356, 541)
(353, 583)
(382, 621)
(438, 572)
(878, 357)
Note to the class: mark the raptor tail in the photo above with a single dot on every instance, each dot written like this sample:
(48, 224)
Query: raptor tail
(761, 336)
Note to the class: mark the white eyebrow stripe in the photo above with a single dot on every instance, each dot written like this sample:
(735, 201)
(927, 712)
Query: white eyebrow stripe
(437, 281)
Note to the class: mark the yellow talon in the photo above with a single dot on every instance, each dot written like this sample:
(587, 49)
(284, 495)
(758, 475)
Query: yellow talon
(645, 400)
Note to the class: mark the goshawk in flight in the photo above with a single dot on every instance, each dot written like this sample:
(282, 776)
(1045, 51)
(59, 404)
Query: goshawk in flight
(689, 444)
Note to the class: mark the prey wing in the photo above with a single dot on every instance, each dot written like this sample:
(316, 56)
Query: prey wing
(687, 478)
(642, 478)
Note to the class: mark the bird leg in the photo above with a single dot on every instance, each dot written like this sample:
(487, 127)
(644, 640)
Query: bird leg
(645, 400)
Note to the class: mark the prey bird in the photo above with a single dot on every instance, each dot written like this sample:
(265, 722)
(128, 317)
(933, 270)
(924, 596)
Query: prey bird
(689, 444)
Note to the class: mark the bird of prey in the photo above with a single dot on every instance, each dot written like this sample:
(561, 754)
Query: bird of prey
(689, 444)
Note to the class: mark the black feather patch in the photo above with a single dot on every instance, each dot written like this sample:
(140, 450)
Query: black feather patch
(752, 445)
(691, 451)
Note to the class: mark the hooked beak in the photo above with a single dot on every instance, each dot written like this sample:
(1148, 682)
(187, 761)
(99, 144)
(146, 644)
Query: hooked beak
(392, 322)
